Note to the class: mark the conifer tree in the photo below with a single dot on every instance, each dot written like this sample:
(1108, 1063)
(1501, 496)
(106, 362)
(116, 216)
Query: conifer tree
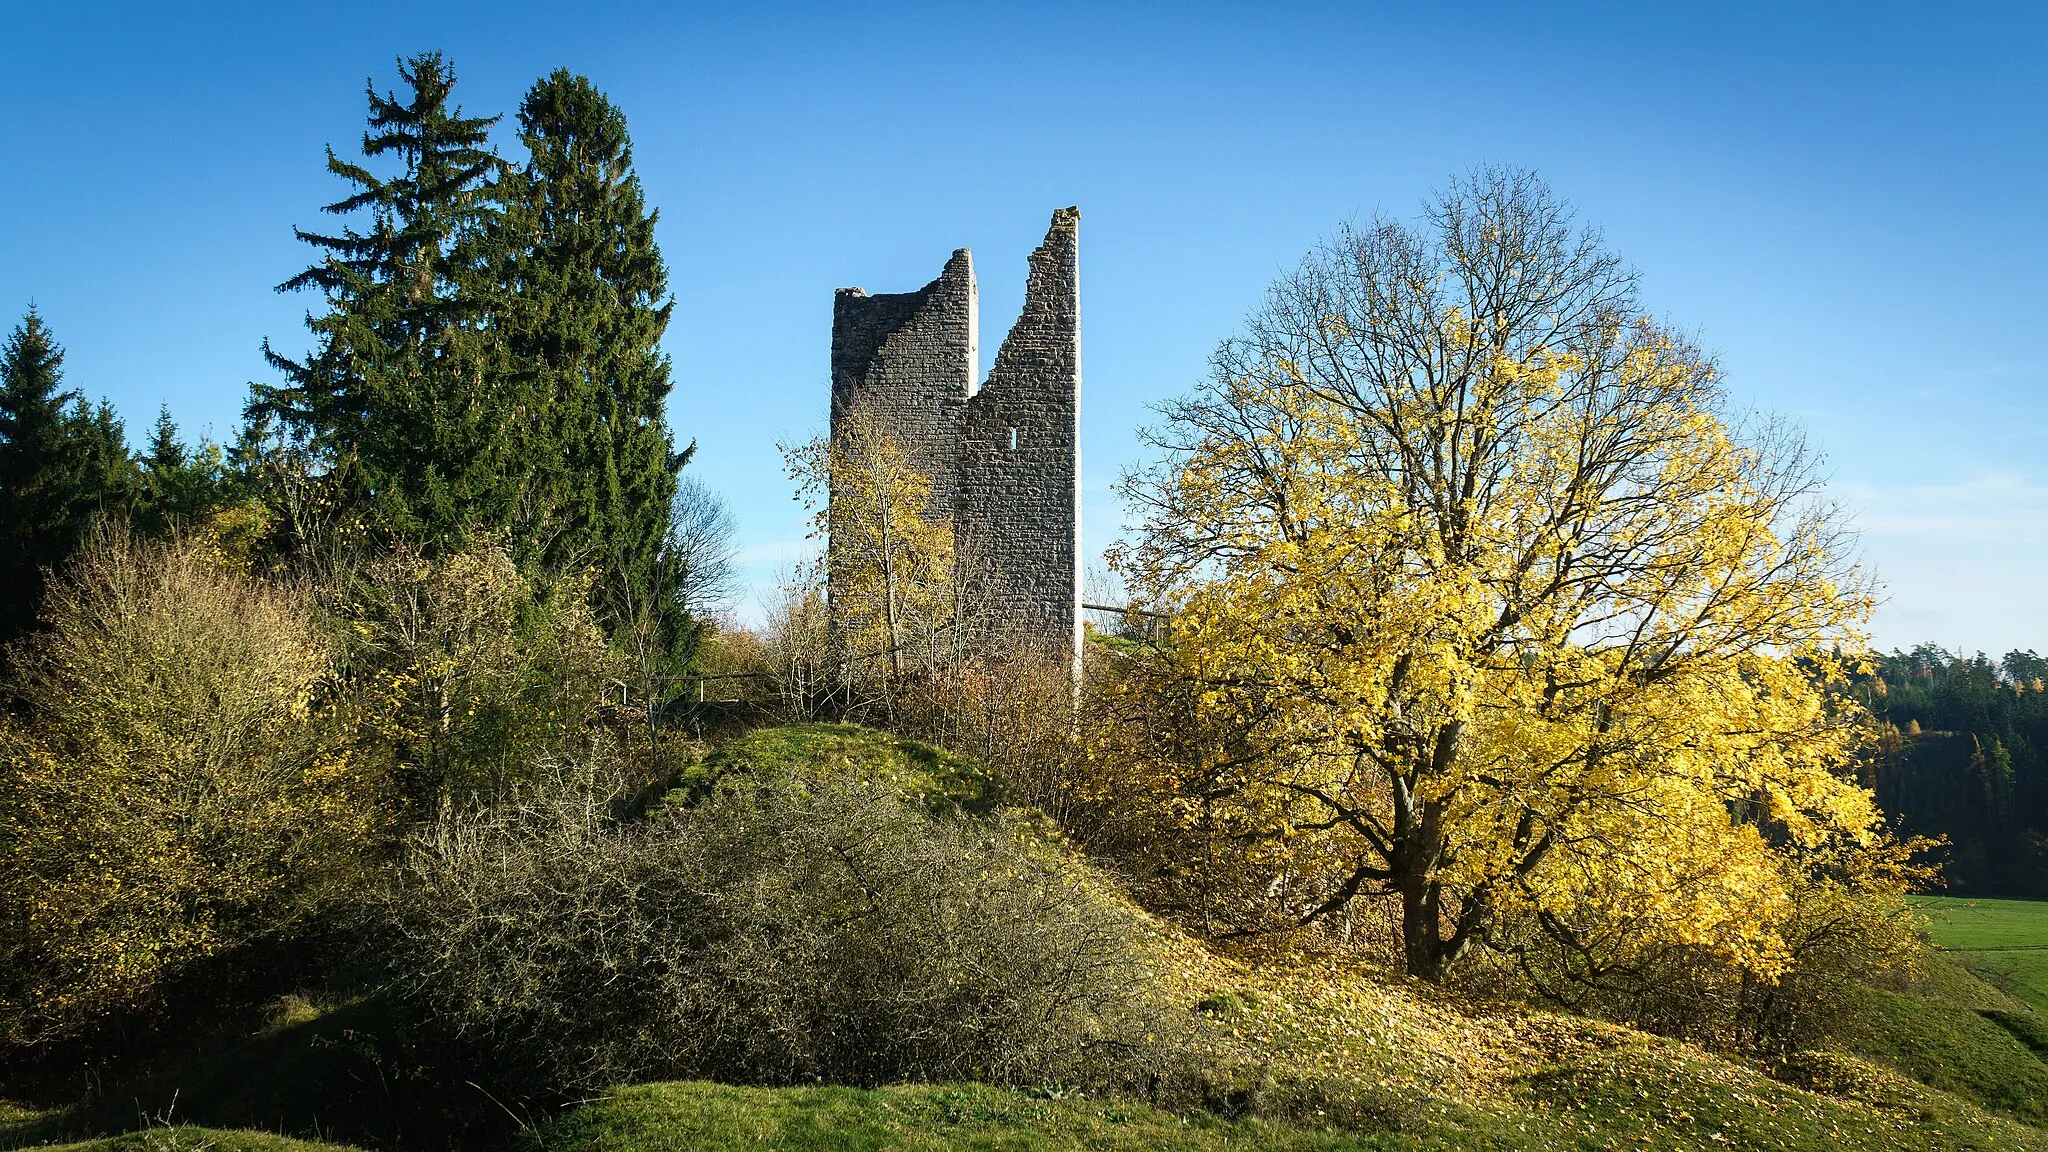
(62, 462)
(166, 452)
(399, 393)
(587, 305)
(106, 477)
(182, 485)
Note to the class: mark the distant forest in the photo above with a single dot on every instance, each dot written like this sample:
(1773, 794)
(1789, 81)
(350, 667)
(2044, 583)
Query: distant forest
(1964, 756)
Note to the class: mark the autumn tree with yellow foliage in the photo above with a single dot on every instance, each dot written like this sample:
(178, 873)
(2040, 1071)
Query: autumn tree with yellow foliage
(889, 558)
(1501, 610)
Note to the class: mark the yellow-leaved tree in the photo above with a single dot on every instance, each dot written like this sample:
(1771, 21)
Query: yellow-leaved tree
(1504, 614)
(908, 624)
(889, 557)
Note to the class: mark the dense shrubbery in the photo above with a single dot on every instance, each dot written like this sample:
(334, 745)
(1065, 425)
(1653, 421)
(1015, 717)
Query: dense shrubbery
(419, 749)
(202, 759)
(1847, 922)
(169, 790)
(461, 673)
(539, 902)
(852, 925)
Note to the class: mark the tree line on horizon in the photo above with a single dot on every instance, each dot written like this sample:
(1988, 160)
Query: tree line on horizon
(485, 360)
(1962, 755)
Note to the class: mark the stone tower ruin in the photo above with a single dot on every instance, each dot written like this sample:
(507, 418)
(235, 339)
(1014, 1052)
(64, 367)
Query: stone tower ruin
(1003, 454)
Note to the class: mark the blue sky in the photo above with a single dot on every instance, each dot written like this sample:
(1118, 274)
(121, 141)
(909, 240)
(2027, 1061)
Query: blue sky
(1844, 202)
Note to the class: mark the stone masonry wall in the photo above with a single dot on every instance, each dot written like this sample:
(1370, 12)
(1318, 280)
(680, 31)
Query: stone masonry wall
(1004, 459)
(908, 358)
(1020, 451)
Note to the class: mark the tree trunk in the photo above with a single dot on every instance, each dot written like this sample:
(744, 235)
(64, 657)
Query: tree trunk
(1421, 929)
(1418, 847)
(889, 592)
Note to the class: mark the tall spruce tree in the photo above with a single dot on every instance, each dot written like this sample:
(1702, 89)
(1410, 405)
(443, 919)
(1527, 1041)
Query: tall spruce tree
(587, 305)
(62, 463)
(402, 394)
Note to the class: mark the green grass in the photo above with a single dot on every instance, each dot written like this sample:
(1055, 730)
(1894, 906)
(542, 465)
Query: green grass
(1956, 1034)
(2005, 940)
(715, 1118)
(185, 1138)
(1661, 1097)
(1651, 1095)
(1667, 1096)
(937, 778)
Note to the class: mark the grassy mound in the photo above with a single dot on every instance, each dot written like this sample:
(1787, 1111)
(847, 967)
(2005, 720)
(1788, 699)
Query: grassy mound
(708, 1117)
(1956, 1033)
(814, 905)
(1668, 1096)
(1661, 1098)
(848, 753)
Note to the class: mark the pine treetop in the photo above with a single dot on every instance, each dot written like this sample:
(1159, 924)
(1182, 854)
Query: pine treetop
(32, 400)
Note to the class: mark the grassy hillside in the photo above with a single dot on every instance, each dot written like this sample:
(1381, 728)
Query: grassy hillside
(1299, 1052)
(2006, 940)
(1955, 1033)
(1656, 1096)
(1663, 1099)
(930, 775)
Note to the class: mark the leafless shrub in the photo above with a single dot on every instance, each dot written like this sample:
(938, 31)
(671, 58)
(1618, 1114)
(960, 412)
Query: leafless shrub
(777, 931)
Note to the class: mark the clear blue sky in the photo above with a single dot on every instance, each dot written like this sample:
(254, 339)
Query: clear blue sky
(1844, 202)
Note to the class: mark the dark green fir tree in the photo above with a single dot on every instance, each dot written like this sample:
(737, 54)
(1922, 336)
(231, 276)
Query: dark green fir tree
(587, 305)
(63, 463)
(182, 486)
(400, 397)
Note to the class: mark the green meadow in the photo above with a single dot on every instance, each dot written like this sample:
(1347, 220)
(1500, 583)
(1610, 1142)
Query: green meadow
(2003, 940)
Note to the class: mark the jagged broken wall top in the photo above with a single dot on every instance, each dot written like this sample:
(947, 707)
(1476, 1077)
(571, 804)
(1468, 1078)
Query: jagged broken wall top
(1003, 458)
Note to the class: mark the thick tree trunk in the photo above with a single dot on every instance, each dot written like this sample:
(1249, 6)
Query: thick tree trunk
(1420, 942)
(1418, 849)
(1412, 861)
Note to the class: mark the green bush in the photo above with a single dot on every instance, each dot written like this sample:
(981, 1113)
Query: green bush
(460, 672)
(166, 794)
(788, 923)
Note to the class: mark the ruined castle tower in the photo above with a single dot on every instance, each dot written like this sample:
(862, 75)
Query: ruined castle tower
(1003, 455)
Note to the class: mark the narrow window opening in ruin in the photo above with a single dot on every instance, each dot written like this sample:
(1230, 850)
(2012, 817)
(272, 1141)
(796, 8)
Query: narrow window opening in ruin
(1013, 439)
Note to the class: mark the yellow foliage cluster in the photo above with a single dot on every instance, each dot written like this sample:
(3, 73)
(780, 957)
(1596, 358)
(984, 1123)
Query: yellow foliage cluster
(173, 795)
(889, 550)
(1485, 603)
